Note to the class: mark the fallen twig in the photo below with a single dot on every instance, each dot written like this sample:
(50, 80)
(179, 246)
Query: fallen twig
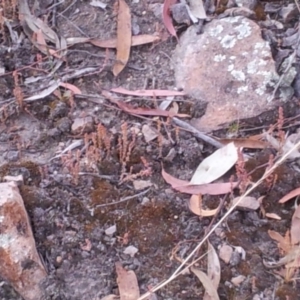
(197, 133)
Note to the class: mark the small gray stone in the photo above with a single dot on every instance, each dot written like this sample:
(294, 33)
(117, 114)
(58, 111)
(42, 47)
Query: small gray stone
(111, 230)
(64, 125)
(83, 125)
(12, 155)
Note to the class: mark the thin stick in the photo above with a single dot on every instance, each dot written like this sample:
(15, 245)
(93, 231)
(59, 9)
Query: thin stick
(124, 199)
(198, 133)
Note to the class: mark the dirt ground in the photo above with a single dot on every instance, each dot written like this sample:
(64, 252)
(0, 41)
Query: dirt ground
(70, 211)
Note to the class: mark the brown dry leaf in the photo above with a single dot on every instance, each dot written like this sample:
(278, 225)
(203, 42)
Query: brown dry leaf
(147, 93)
(213, 270)
(195, 206)
(127, 283)
(210, 290)
(185, 187)
(123, 37)
(246, 143)
(290, 195)
(136, 40)
(295, 227)
(140, 111)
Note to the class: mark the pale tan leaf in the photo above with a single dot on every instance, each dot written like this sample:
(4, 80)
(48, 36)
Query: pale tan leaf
(213, 270)
(127, 283)
(273, 216)
(123, 37)
(207, 283)
(295, 227)
(136, 40)
(290, 195)
(215, 165)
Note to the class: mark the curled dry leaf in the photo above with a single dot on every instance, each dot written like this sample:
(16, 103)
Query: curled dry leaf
(123, 37)
(195, 206)
(127, 283)
(210, 189)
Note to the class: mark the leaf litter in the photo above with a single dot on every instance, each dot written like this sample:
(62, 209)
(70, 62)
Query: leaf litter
(211, 169)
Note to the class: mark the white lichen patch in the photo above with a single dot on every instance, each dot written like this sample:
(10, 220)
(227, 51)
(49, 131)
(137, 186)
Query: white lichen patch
(228, 41)
(242, 89)
(230, 68)
(219, 57)
(259, 45)
(232, 57)
(262, 62)
(244, 30)
(238, 75)
(232, 19)
(260, 90)
(216, 30)
(252, 67)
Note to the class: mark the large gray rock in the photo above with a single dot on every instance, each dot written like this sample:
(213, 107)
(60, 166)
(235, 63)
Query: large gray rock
(230, 67)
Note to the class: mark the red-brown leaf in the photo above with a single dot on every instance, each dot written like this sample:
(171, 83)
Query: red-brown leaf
(167, 17)
(185, 187)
